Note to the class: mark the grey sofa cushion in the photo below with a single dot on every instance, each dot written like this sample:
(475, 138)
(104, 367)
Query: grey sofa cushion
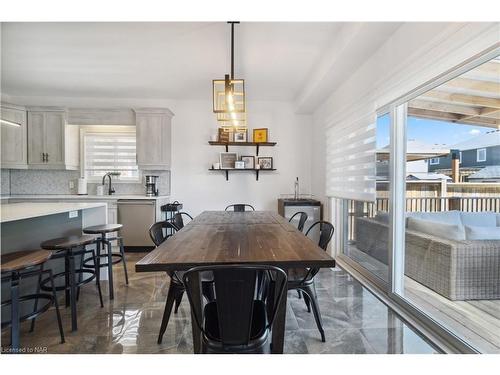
(474, 232)
(439, 229)
(479, 219)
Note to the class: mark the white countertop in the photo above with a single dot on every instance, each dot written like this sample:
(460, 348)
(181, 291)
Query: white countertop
(20, 211)
(113, 197)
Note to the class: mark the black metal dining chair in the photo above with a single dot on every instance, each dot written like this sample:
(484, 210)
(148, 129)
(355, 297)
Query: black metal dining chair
(240, 207)
(179, 221)
(158, 233)
(302, 279)
(237, 320)
(302, 219)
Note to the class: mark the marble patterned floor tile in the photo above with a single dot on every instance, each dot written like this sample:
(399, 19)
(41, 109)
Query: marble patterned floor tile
(354, 320)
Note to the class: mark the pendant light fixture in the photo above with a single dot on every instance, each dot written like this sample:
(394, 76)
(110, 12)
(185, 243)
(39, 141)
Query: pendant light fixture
(229, 96)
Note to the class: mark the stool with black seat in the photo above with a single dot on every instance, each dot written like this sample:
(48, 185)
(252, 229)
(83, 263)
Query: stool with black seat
(235, 321)
(110, 258)
(240, 207)
(21, 265)
(159, 233)
(302, 279)
(68, 248)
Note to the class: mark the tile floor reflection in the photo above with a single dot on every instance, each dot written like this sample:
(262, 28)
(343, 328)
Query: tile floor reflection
(354, 320)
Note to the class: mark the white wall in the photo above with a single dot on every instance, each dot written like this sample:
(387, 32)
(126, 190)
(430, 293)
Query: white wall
(193, 124)
(201, 189)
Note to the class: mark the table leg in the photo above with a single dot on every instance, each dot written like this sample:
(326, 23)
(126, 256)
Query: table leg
(278, 338)
(197, 304)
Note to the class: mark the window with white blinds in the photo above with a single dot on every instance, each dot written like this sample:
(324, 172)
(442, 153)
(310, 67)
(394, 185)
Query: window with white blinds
(351, 159)
(110, 152)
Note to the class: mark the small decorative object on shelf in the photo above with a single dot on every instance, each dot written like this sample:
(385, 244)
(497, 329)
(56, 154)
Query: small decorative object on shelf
(260, 135)
(238, 164)
(249, 161)
(240, 135)
(265, 162)
(228, 159)
(224, 135)
(216, 165)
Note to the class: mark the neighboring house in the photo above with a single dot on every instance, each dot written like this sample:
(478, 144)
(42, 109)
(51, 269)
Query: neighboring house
(474, 154)
(426, 176)
(487, 174)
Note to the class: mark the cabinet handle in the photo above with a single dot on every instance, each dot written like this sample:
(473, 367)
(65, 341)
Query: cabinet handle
(43, 157)
(47, 157)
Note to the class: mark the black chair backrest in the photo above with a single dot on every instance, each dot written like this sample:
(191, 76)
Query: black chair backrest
(178, 220)
(240, 207)
(302, 219)
(325, 233)
(158, 231)
(235, 291)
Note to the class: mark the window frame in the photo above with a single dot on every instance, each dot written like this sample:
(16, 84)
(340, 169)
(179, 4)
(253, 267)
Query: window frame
(105, 129)
(431, 161)
(477, 155)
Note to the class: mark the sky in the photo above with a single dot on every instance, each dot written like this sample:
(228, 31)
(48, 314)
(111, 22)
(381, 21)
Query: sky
(429, 131)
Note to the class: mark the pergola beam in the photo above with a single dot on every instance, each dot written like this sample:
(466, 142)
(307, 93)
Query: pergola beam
(451, 117)
(462, 99)
(490, 87)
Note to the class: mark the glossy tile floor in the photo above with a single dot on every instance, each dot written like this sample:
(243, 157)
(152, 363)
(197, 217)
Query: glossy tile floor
(354, 320)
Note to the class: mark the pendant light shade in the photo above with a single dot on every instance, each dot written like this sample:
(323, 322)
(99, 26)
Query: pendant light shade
(229, 96)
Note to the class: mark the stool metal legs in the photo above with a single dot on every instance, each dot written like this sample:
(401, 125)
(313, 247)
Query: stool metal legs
(14, 312)
(122, 252)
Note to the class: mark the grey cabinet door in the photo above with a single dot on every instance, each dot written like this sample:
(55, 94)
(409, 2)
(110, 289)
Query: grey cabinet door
(36, 138)
(54, 137)
(14, 139)
(153, 132)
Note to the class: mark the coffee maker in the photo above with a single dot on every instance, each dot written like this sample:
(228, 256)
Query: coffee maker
(151, 189)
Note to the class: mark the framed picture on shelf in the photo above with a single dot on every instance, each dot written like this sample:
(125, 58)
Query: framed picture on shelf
(228, 159)
(260, 135)
(238, 164)
(224, 135)
(240, 135)
(249, 161)
(265, 162)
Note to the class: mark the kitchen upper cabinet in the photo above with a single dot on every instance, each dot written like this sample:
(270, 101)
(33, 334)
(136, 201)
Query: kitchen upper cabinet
(153, 132)
(14, 149)
(52, 143)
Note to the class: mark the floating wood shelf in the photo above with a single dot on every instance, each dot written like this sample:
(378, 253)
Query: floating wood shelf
(256, 144)
(227, 170)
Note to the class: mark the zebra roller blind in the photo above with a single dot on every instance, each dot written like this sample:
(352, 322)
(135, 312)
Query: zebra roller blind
(351, 159)
(110, 152)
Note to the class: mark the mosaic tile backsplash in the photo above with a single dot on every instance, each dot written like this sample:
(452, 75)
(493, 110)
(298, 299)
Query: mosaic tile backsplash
(41, 182)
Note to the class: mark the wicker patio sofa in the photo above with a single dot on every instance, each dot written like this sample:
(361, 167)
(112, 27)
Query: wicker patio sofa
(458, 270)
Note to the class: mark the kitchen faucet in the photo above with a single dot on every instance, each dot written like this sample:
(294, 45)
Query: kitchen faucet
(109, 174)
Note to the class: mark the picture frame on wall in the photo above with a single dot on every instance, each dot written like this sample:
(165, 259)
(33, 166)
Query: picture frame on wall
(240, 135)
(228, 159)
(260, 135)
(249, 161)
(265, 162)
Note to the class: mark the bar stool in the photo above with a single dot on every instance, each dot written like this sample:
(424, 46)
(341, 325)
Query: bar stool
(68, 248)
(21, 265)
(103, 241)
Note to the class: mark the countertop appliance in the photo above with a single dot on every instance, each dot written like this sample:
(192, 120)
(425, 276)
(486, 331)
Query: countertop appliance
(287, 207)
(151, 185)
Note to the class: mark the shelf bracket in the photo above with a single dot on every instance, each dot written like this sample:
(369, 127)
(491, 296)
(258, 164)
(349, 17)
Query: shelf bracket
(257, 151)
(257, 174)
(227, 174)
(227, 148)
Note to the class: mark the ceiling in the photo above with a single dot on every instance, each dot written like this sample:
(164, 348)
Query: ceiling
(176, 60)
(472, 98)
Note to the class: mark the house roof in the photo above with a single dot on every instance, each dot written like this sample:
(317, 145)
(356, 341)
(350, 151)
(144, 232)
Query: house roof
(427, 176)
(488, 139)
(416, 150)
(491, 172)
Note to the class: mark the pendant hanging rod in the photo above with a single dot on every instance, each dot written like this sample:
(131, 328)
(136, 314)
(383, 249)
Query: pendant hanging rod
(232, 46)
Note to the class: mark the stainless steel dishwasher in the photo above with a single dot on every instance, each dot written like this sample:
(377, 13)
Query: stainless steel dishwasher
(136, 216)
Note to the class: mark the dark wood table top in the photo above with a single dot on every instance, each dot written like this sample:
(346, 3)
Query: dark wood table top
(220, 237)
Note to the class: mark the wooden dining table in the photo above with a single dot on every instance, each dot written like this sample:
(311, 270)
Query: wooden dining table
(223, 237)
